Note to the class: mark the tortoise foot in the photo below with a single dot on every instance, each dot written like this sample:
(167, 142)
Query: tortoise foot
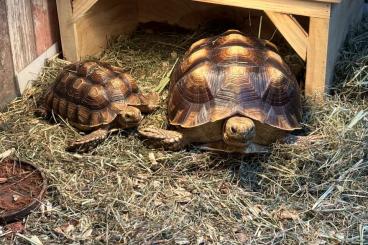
(41, 112)
(168, 139)
(88, 142)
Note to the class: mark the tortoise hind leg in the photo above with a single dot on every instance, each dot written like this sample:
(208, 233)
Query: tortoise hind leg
(170, 140)
(88, 141)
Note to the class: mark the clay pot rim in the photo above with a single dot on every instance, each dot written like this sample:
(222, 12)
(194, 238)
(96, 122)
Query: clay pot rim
(36, 202)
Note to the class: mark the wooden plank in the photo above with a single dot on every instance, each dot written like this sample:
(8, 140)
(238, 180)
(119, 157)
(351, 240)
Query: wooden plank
(32, 71)
(45, 24)
(317, 53)
(105, 19)
(80, 7)
(68, 33)
(7, 85)
(21, 32)
(292, 31)
(304, 8)
(343, 16)
(326, 1)
(325, 40)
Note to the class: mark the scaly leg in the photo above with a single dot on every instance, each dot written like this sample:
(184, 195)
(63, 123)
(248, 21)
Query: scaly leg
(168, 139)
(88, 141)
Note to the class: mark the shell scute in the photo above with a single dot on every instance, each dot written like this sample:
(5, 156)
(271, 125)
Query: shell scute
(233, 74)
(89, 93)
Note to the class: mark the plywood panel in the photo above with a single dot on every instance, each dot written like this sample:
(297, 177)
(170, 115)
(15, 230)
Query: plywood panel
(21, 32)
(105, 19)
(80, 7)
(325, 40)
(343, 16)
(8, 90)
(45, 23)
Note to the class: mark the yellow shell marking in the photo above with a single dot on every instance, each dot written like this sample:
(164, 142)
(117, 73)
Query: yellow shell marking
(234, 38)
(198, 43)
(94, 92)
(193, 58)
(235, 51)
(78, 83)
(198, 78)
(116, 83)
(274, 56)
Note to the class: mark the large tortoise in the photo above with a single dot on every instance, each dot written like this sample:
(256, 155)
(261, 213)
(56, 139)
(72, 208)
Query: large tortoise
(231, 93)
(96, 97)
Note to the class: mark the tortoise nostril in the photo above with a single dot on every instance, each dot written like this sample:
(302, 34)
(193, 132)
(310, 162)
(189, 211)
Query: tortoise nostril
(233, 129)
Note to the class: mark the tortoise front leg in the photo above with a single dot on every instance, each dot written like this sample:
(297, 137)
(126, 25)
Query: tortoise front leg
(88, 141)
(168, 139)
(42, 112)
(300, 140)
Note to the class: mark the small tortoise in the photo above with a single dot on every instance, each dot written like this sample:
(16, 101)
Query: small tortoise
(232, 93)
(96, 97)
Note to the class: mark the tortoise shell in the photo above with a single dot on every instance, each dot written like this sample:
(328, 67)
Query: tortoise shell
(90, 94)
(233, 74)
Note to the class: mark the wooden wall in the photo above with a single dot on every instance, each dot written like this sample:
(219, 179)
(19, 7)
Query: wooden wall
(32, 29)
(7, 82)
(28, 29)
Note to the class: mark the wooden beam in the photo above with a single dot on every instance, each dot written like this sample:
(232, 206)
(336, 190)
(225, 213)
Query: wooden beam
(292, 31)
(305, 8)
(68, 32)
(80, 7)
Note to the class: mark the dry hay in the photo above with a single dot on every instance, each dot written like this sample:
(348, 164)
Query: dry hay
(123, 192)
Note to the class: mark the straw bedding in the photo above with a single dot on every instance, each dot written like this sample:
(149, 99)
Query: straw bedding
(125, 192)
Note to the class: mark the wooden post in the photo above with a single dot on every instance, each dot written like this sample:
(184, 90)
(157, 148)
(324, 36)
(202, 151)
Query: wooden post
(68, 32)
(326, 36)
(317, 55)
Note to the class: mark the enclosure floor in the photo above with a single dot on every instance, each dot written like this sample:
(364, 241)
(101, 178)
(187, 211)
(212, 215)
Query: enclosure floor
(125, 192)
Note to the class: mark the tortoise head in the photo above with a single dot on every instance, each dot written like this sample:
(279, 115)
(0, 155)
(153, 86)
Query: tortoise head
(239, 131)
(129, 117)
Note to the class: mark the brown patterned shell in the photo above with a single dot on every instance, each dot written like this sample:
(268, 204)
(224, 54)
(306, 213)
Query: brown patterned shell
(90, 94)
(233, 74)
